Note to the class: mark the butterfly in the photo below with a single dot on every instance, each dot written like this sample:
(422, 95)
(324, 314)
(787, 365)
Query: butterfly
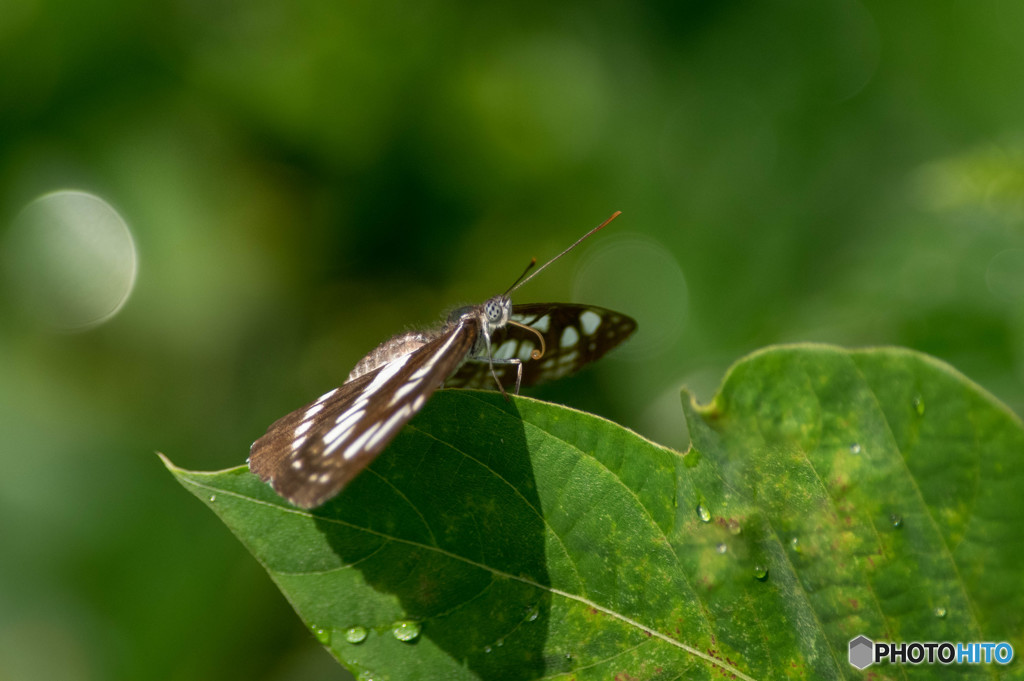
(309, 455)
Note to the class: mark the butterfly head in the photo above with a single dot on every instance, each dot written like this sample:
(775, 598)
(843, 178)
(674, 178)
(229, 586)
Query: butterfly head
(497, 311)
(493, 314)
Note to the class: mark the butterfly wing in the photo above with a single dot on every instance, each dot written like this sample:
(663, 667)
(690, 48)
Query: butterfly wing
(311, 453)
(574, 336)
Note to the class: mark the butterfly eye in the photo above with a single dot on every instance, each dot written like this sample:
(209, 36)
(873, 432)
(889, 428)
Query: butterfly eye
(494, 310)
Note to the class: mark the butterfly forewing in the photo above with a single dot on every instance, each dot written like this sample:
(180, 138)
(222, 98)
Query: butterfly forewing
(574, 336)
(313, 452)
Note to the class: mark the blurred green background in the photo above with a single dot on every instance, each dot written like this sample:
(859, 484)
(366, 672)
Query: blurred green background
(303, 179)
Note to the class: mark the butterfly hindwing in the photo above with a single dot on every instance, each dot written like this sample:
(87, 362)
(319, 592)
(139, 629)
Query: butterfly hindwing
(314, 451)
(574, 336)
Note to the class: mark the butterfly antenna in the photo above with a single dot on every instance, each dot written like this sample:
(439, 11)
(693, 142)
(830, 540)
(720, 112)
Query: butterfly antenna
(515, 285)
(523, 278)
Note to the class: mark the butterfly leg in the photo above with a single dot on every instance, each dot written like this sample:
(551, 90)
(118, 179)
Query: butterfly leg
(517, 363)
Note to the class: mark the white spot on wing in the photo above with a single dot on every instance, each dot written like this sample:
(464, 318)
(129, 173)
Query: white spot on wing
(359, 405)
(314, 410)
(448, 343)
(386, 374)
(357, 444)
(298, 443)
(386, 431)
(543, 324)
(569, 336)
(589, 321)
(398, 418)
(403, 391)
(336, 435)
(566, 360)
(429, 364)
(525, 348)
(326, 395)
(505, 350)
(422, 371)
(303, 427)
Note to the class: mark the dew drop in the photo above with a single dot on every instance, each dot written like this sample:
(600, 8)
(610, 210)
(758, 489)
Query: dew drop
(722, 548)
(896, 520)
(355, 634)
(919, 405)
(794, 544)
(760, 573)
(533, 614)
(703, 513)
(213, 497)
(487, 649)
(940, 612)
(499, 643)
(323, 635)
(406, 630)
(855, 448)
(734, 527)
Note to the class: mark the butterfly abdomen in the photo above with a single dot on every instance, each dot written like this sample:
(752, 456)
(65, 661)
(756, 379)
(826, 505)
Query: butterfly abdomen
(389, 350)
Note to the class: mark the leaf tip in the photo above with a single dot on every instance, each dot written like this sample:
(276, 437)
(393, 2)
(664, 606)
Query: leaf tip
(168, 464)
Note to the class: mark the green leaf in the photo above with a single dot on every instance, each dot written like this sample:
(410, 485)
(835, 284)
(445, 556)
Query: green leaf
(827, 494)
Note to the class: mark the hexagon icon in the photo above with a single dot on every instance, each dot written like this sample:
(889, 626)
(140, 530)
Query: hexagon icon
(862, 652)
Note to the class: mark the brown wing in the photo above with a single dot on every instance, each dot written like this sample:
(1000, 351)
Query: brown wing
(311, 453)
(574, 336)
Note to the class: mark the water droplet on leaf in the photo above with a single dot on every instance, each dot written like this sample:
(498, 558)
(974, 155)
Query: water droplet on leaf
(703, 513)
(896, 520)
(940, 612)
(855, 448)
(760, 573)
(323, 635)
(919, 405)
(406, 630)
(355, 634)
